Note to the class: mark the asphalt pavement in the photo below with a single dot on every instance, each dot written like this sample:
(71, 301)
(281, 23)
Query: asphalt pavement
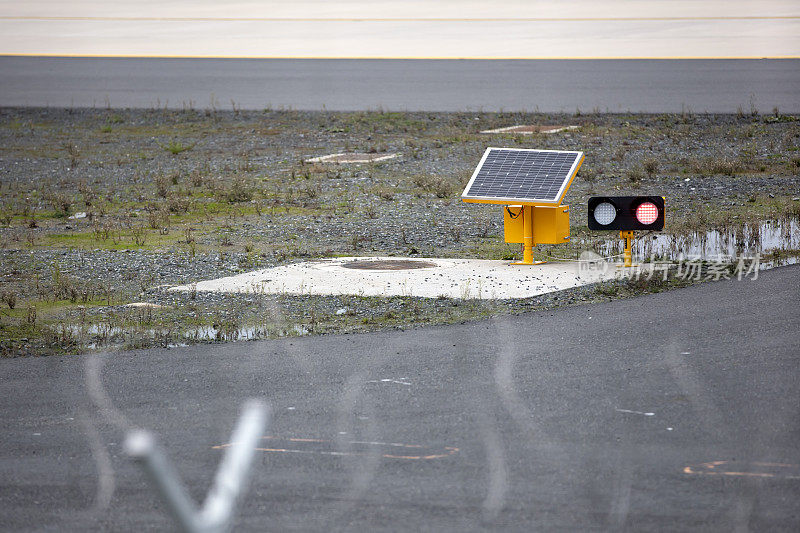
(652, 86)
(672, 411)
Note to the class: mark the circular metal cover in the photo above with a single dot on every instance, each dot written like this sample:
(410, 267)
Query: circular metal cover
(388, 264)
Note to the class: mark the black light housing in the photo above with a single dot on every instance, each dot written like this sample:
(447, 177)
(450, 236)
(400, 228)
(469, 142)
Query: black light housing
(628, 213)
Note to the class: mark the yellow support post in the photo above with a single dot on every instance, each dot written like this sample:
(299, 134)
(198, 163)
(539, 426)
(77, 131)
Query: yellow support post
(627, 236)
(527, 238)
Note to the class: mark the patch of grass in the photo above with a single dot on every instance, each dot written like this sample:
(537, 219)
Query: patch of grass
(61, 204)
(6, 216)
(778, 118)
(237, 191)
(716, 165)
(385, 193)
(779, 255)
(791, 209)
(74, 154)
(635, 176)
(9, 298)
(177, 147)
(439, 186)
(157, 217)
(162, 184)
(650, 166)
(178, 204)
(641, 285)
(607, 289)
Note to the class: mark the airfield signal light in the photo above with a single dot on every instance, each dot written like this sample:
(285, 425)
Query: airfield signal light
(626, 214)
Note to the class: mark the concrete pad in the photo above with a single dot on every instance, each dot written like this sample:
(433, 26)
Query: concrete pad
(425, 277)
(529, 130)
(351, 157)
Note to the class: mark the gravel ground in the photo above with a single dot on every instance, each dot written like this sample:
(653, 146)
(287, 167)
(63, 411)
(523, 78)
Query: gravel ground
(173, 197)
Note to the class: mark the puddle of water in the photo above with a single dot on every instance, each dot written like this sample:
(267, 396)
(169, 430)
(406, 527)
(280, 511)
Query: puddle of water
(202, 333)
(241, 334)
(745, 240)
(98, 330)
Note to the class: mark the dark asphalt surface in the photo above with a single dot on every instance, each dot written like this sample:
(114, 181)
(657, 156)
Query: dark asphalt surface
(548, 412)
(655, 86)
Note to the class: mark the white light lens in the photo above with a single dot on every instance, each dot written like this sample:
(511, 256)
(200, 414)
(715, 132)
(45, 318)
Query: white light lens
(605, 213)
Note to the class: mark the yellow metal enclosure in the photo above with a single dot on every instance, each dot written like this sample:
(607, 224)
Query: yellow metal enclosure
(549, 225)
(512, 223)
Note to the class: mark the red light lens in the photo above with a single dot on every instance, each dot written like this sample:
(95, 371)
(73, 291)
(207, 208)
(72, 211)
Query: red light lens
(647, 213)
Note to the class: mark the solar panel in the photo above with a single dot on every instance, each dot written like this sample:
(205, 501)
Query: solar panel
(523, 175)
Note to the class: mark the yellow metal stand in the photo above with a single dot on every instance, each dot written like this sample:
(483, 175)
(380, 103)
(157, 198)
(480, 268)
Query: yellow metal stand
(527, 238)
(627, 236)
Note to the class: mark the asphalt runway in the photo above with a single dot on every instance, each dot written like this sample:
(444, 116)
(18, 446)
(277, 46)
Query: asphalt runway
(673, 411)
(653, 86)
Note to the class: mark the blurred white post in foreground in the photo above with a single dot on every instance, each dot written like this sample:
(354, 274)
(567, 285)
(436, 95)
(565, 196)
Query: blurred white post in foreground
(217, 512)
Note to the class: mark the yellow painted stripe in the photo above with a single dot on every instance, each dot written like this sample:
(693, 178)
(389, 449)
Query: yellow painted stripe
(431, 58)
(400, 19)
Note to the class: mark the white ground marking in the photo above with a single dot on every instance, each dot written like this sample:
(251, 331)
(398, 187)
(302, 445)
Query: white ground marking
(366, 158)
(543, 130)
(634, 412)
(400, 381)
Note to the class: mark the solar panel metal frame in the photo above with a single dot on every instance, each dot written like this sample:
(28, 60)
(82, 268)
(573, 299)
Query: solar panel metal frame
(567, 180)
